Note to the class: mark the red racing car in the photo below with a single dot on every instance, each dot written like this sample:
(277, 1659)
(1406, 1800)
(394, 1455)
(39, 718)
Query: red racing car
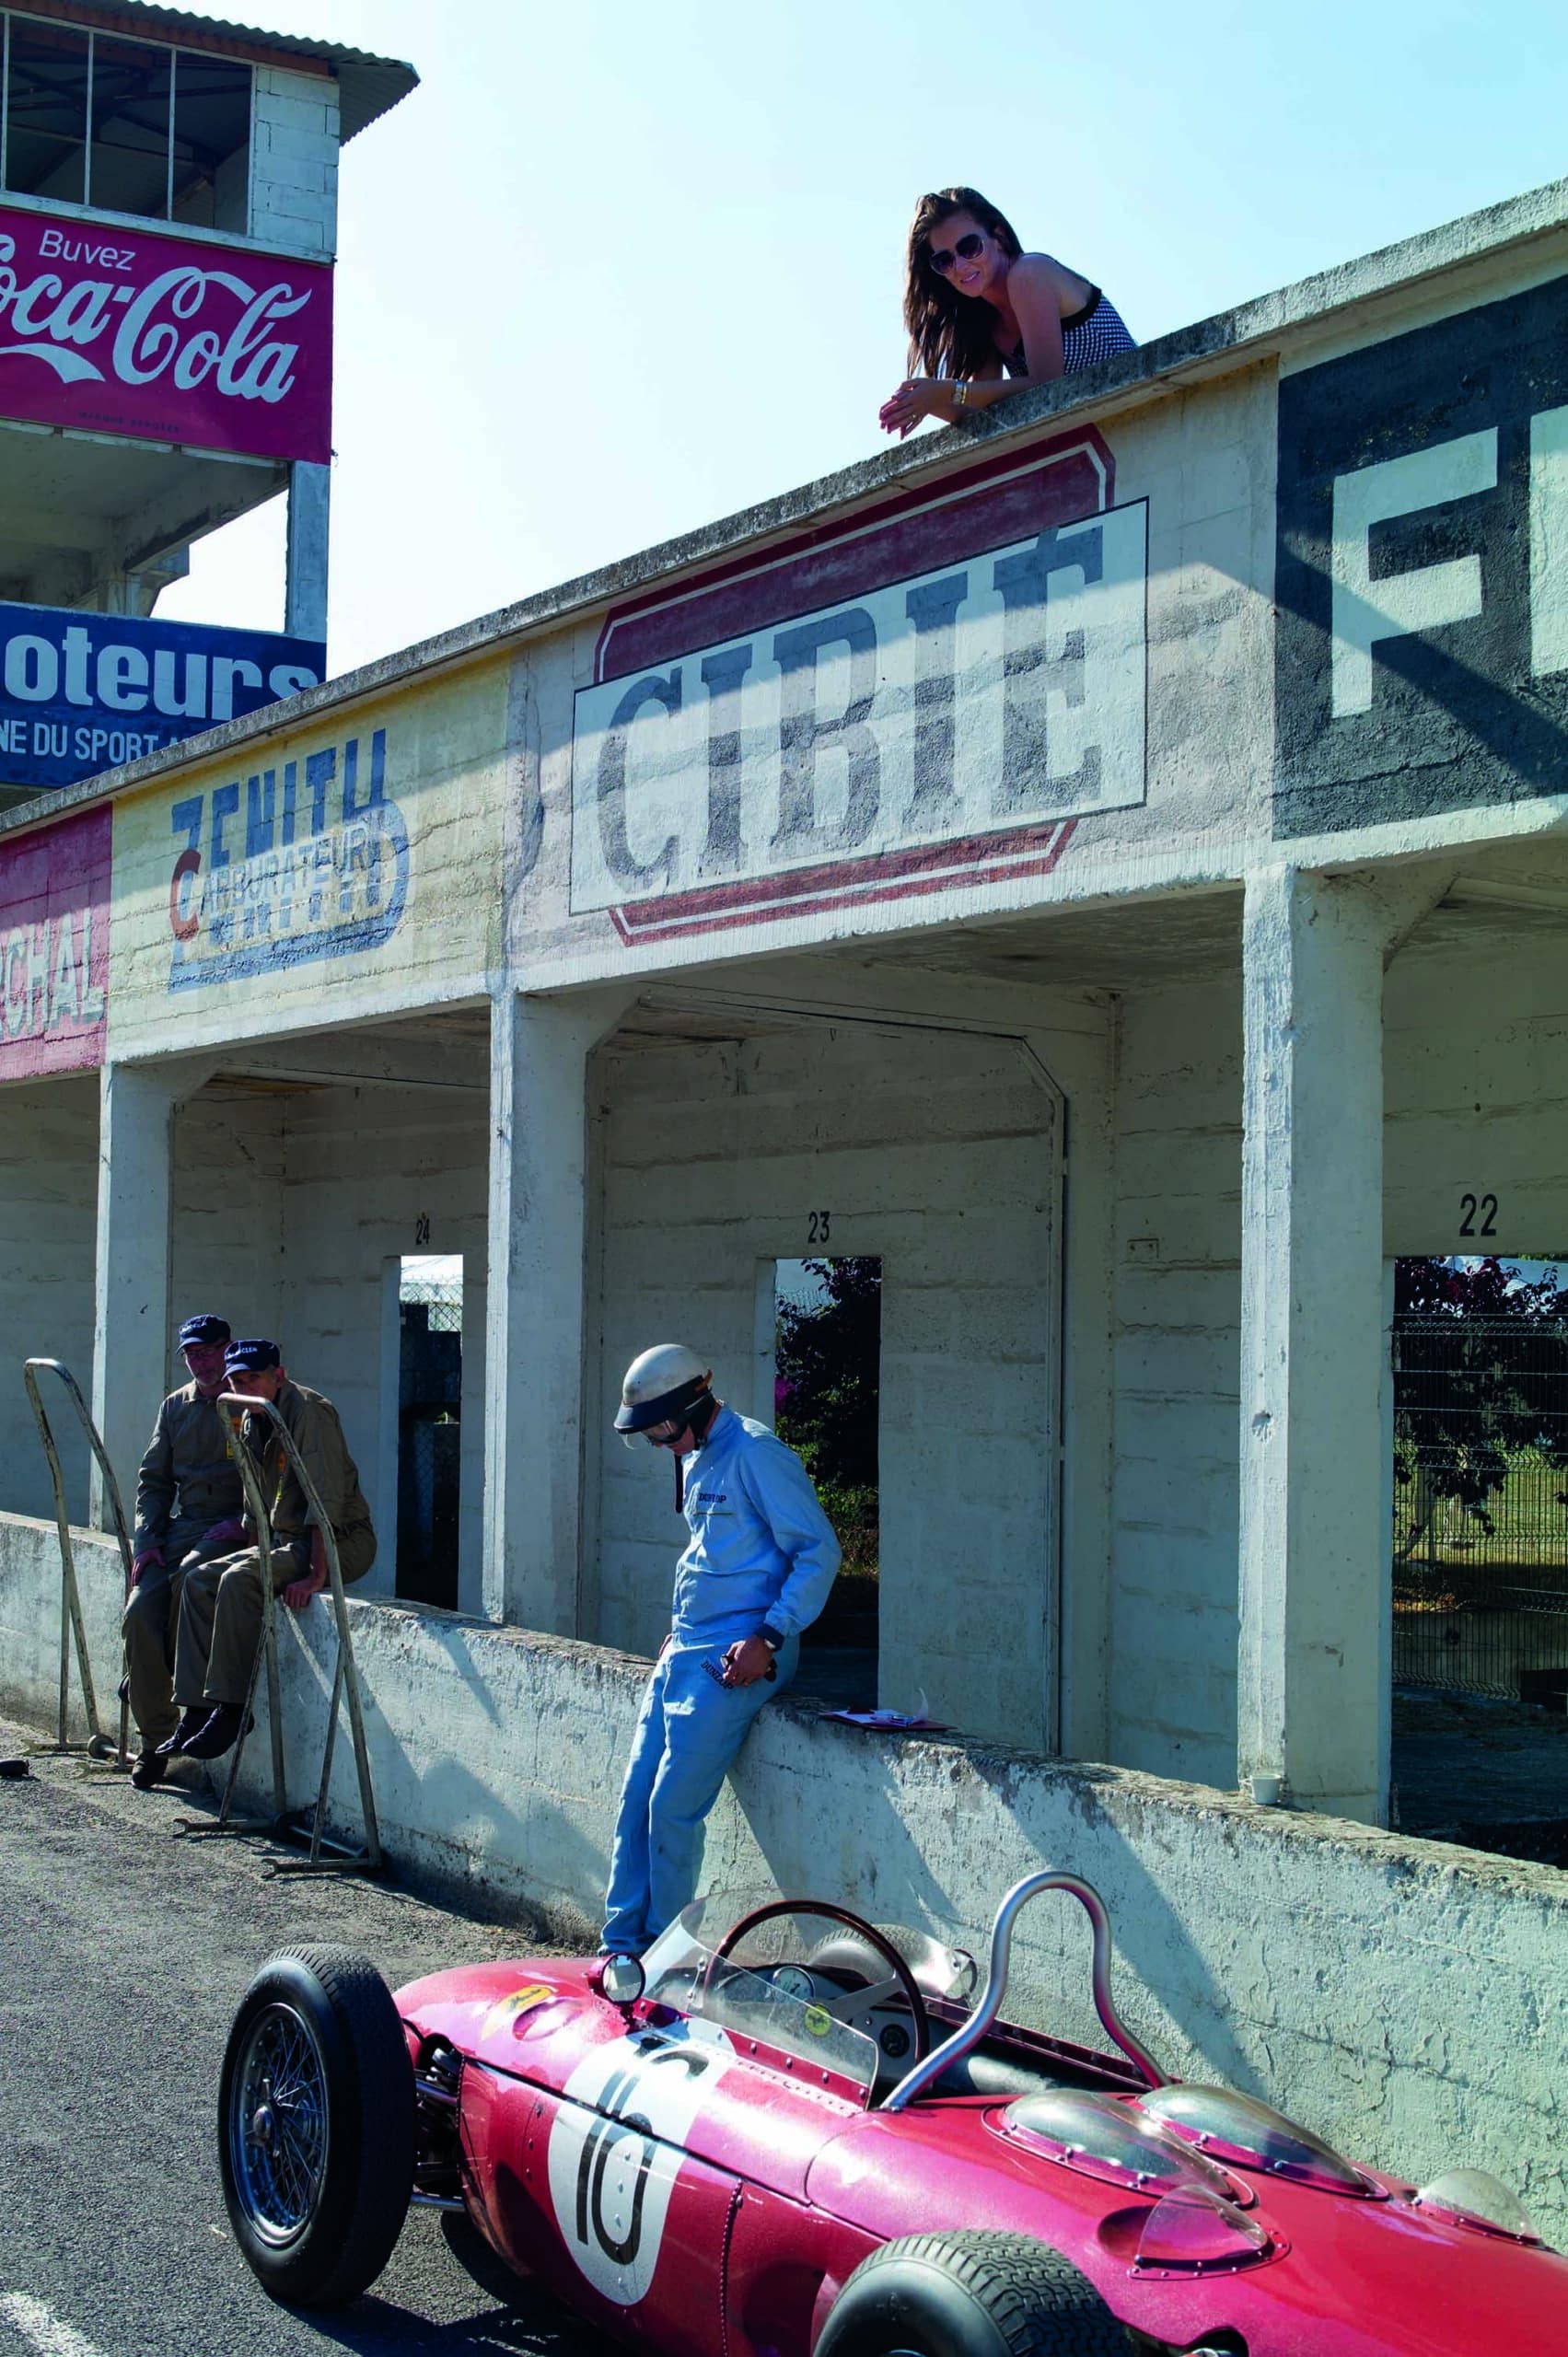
(789, 2132)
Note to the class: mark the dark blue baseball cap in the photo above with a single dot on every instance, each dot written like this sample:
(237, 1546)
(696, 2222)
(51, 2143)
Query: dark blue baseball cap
(250, 1358)
(204, 1330)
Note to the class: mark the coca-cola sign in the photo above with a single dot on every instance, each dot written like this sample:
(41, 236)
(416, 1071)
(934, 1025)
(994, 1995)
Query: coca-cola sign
(124, 331)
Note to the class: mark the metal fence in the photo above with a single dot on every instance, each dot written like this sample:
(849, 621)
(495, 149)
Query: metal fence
(1480, 1506)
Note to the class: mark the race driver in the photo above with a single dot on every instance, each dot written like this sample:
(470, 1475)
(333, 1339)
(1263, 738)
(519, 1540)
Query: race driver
(755, 1572)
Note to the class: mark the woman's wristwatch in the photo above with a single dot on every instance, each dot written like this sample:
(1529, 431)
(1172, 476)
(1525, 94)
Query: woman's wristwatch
(960, 392)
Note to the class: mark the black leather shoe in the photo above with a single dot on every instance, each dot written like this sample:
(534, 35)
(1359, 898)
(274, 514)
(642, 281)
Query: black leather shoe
(220, 1734)
(192, 1723)
(150, 1769)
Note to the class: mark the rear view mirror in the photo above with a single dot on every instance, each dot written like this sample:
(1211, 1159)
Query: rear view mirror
(621, 1979)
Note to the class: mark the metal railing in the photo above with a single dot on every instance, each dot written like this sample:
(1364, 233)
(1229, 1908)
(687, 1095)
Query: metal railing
(72, 1626)
(325, 1854)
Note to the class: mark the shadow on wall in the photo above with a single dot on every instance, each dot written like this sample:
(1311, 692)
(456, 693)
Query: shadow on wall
(878, 1863)
(1390, 1992)
(517, 1818)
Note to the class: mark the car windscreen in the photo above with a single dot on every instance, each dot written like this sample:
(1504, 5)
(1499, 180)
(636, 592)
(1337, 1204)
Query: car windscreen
(773, 2001)
(802, 1935)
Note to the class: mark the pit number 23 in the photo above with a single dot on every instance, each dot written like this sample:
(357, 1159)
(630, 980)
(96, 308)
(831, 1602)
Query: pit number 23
(818, 1227)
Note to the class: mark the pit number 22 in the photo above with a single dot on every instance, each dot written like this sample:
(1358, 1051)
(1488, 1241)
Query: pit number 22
(1485, 1206)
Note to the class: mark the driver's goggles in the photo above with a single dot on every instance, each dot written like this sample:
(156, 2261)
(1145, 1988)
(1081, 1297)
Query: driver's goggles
(661, 1435)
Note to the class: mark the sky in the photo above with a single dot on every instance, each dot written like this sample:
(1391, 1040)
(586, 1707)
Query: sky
(615, 270)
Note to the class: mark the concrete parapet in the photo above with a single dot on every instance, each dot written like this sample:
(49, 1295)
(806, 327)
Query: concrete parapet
(1405, 1998)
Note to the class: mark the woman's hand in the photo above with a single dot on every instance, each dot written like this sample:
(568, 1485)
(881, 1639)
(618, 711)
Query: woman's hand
(916, 398)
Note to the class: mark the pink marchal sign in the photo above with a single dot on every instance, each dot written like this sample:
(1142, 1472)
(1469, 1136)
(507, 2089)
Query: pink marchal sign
(126, 332)
(54, 946)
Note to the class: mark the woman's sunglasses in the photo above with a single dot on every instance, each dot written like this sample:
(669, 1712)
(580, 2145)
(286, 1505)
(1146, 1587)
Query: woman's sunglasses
(944, 257)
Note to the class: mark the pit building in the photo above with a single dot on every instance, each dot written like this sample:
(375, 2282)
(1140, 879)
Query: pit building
(1108, 865)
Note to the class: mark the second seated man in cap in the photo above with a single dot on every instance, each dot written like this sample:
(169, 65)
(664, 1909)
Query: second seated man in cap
(221, 1600)
(187, 1504)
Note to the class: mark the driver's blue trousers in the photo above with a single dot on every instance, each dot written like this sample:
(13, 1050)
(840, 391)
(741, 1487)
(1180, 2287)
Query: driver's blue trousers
(689, 1730)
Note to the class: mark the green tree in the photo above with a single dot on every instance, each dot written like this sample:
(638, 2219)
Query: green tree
(828, 1354)
(825, 1398)
(1481, 1376)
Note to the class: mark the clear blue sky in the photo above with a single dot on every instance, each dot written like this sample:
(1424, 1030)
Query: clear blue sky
(615, 269)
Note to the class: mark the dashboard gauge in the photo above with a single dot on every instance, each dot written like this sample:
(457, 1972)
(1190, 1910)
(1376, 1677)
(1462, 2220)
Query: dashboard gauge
(794, 1980)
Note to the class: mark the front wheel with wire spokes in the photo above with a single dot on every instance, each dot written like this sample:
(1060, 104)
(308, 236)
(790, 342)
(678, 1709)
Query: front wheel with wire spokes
(316, 2125)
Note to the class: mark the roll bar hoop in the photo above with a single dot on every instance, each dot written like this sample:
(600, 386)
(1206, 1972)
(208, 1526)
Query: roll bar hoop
(970, 2033)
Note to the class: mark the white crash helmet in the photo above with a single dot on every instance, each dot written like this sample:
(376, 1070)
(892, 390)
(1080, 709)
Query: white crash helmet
(664, 1383)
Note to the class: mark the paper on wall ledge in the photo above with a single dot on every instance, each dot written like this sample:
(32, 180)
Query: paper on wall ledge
(889, 1722)
(913, 1721)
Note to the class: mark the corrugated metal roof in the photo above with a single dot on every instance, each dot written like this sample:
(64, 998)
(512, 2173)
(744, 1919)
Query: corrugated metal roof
(367, 86)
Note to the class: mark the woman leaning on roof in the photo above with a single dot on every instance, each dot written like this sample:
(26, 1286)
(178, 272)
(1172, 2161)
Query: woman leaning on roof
(985, 319)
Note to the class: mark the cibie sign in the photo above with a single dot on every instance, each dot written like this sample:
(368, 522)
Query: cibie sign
(128, 332)
(82, 692)
(923, 701)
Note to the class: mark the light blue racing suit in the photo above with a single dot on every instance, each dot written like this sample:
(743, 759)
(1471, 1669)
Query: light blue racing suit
(761, 1556)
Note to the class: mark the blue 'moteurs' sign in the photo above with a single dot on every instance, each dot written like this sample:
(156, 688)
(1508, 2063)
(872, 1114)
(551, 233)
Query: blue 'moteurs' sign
(82, 692)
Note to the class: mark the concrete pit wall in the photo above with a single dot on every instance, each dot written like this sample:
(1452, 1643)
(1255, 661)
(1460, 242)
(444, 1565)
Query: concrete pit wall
(226, 1225)
(1405, 1999)
(938, 1150)
(1476, 1104)
(1476, 1057)
(294, 159)
(1177, 1307)
(292, 1211)
(369, 1173)
(48, 1231)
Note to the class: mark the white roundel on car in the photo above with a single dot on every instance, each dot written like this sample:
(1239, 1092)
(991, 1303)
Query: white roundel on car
(615, 2150)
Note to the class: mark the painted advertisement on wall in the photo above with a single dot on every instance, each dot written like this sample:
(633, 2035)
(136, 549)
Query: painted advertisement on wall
(301, 860)
(126, 331)
(360, 851)
(81, 692)
(891, 708)
(54, 946)
(1423, 570)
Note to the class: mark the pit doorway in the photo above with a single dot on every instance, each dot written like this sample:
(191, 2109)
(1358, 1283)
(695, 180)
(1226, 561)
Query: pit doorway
(429, 1392)
(827, 1405)
(1479, 1554)
(790, 1138)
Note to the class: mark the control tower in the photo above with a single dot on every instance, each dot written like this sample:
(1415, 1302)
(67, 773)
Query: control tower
(167, 227)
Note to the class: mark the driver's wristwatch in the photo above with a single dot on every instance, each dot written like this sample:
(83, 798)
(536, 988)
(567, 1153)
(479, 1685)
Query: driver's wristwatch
(771, 1638)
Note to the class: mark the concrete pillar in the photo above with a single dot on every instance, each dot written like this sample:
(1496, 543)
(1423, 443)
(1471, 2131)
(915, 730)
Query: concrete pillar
(116, 590)
(309, 516)
(131, 1337)
(1313, 1680)
(534, 1320)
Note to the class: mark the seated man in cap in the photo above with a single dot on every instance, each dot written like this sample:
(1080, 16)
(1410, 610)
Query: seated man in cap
(221, 1599)
(187, 1502)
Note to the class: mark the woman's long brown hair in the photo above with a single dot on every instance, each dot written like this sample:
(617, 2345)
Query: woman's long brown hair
(951, 334)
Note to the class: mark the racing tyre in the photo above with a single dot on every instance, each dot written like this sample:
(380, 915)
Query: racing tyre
(970, 2295)
(316, 2133)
